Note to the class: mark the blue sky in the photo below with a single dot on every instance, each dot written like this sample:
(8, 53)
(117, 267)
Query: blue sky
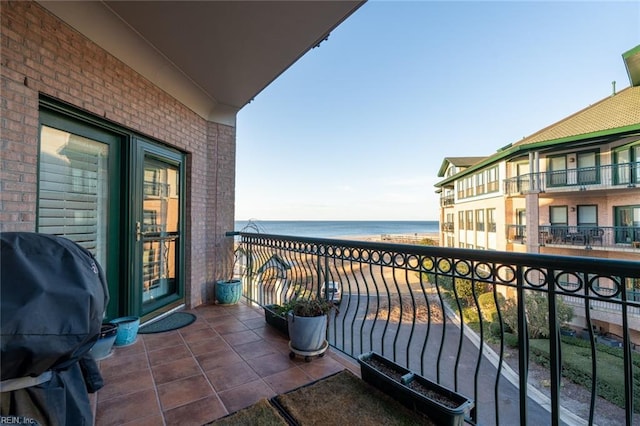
(358, 128)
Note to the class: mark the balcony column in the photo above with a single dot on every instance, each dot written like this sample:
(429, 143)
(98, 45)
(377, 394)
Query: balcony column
(534, 170)
(533, 219)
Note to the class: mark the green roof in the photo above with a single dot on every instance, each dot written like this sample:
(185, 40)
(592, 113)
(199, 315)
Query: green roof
(617, 114)
(614, 112)
(632, 63)
(458, 162)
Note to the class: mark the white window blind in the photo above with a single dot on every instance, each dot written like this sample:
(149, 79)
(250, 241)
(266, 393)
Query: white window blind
(73, 188)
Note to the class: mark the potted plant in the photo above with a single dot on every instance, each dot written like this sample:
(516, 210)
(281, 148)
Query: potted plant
(307, 324)
(228, 290)
(441, 404)
(276, 316)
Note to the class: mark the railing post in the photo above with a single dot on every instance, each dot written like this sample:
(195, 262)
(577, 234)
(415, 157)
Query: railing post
(523, 346)
(554, 349)
(628, 365)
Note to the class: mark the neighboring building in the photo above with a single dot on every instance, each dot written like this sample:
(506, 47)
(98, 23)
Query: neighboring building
(118, 129)
(572, 188)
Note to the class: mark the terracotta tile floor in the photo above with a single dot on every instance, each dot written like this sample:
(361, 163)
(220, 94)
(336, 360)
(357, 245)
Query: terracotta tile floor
(226, 360)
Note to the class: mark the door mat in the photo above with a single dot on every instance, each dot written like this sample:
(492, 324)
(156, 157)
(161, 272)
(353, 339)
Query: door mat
(261, 413)
(344, 399)
(170, 322)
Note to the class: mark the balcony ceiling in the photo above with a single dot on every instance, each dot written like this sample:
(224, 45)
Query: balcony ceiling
(213, 56)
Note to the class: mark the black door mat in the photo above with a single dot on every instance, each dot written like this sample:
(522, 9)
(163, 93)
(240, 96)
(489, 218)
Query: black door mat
(172, 321)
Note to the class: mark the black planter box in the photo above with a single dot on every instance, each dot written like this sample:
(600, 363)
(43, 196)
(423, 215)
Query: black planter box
(415, 399)
(275, 320)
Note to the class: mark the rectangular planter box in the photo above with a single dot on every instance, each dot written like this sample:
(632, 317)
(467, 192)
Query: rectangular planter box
(416, 399)
(274, 320)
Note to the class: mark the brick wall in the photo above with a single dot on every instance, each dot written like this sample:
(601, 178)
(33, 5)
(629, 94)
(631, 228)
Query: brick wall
(42, 55)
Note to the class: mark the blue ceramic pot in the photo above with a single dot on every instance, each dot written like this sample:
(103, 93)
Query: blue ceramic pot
(127, 330)
(228, 292)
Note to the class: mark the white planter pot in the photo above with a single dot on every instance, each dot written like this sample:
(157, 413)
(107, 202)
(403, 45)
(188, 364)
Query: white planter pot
(307, 334)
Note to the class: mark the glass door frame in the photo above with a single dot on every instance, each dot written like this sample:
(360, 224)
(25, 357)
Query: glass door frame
(142, 149)
(56, 116)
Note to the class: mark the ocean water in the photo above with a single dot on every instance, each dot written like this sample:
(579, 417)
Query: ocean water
(339, 228)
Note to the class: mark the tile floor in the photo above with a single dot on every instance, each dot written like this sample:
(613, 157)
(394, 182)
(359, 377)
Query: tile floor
(226, 360)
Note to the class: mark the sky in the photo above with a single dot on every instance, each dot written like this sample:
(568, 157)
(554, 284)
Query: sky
(358, 128)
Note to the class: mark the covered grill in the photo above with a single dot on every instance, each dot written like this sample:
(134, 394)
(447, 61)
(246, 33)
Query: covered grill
(54, 294)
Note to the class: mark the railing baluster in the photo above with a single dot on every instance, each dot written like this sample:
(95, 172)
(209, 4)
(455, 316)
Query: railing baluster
(554, 349)
(523, 347)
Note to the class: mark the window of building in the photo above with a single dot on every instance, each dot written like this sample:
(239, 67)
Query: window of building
(461, 220)
(523, 177)
(469, 221)
(521, 224)
(627, 164)
(557, 170)
(480, 220)
(588, 168)
(627, 222)
(460, 186)
(448, 224)
(480, 187)
(588, 215)
(492, 179)
(468, 186)
(558, 215)
(491, 220)
(450, 241)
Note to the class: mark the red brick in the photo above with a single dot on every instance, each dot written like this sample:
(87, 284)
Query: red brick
(59, 62)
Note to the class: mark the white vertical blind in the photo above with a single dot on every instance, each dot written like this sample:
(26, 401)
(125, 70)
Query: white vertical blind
(73, 188)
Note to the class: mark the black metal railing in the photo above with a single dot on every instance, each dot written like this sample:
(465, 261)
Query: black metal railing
(449, 313)
(590, 236)
(517, 233)
(585, 178)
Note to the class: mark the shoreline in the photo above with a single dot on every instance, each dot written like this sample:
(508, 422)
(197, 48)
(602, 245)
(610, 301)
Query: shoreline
(412, 238)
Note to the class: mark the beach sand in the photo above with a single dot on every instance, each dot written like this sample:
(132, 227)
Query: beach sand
(394, 238)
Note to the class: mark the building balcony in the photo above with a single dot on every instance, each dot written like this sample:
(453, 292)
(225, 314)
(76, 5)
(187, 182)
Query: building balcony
(226, 360)
(448, 314)
(517, 234)
(447, 200)
(619, 176)
(595, 237)
(448, 227)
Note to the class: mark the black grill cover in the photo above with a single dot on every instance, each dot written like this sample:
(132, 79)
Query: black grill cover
(53, 297)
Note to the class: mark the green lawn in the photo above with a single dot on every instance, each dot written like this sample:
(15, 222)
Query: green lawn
(576, 366)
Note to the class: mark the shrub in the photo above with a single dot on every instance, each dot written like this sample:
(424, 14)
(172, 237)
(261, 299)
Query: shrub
(487, 305)
(465, 289)
(511, 340)
(470, 315)
(537, 314)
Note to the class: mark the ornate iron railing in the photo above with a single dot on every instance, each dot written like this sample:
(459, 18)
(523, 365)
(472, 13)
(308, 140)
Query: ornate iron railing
(448, 314)
(586, 178)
